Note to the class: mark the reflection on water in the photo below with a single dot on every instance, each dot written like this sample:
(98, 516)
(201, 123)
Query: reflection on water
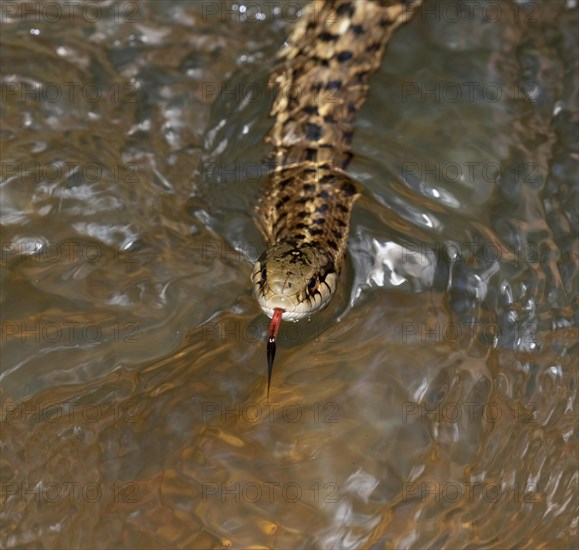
(432, 405)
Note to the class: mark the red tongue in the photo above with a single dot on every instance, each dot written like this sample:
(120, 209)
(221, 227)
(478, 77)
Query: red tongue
(273, 328)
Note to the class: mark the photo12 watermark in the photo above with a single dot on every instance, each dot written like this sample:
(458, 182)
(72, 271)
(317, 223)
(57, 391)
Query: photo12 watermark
(70, 11)
(254, 332)
(468, 411)
(479, 11)
(472, 172)
(61, 170)
(469, 251)
(236, 92)
(289, 492)
(69, 412)
(468, 92)
(71, 91)
(70, 332)
(73, 492)
(270, 411)
(33, 252)
(489, 334)
(452, 492)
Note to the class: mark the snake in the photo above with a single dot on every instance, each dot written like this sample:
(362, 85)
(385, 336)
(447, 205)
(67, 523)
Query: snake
(304, 212)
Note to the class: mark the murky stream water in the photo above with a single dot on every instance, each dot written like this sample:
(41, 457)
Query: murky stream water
(432, 405)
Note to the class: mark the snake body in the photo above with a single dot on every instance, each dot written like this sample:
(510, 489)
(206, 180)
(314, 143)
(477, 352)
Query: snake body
(305, 211)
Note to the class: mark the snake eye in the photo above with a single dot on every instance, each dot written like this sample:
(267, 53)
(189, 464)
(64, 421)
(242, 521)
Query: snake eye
(263, 274)
(313, 285)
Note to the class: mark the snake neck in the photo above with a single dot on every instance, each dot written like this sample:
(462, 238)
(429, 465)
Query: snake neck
(309, 204)
(322, 83)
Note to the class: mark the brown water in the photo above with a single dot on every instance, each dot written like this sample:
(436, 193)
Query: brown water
(433, 405)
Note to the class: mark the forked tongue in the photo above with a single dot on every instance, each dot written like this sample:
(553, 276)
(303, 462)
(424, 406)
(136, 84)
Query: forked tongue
(273, 328)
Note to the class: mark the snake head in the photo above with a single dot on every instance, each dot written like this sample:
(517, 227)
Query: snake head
(297, 278)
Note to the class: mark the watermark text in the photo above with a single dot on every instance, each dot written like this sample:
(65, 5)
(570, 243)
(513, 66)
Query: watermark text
(454, 491)
(70, 412)
(270, 491)
(69, 11)
(252, 412)
(467, 411)
(70, 332)
(70, 491)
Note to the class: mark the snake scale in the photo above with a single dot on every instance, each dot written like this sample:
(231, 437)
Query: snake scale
(304, 213)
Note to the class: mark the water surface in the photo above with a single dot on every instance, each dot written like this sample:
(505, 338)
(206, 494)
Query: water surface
(433, 404)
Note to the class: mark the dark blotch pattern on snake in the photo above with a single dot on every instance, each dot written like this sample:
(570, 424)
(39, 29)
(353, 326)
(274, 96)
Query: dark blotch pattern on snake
(305, 210)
